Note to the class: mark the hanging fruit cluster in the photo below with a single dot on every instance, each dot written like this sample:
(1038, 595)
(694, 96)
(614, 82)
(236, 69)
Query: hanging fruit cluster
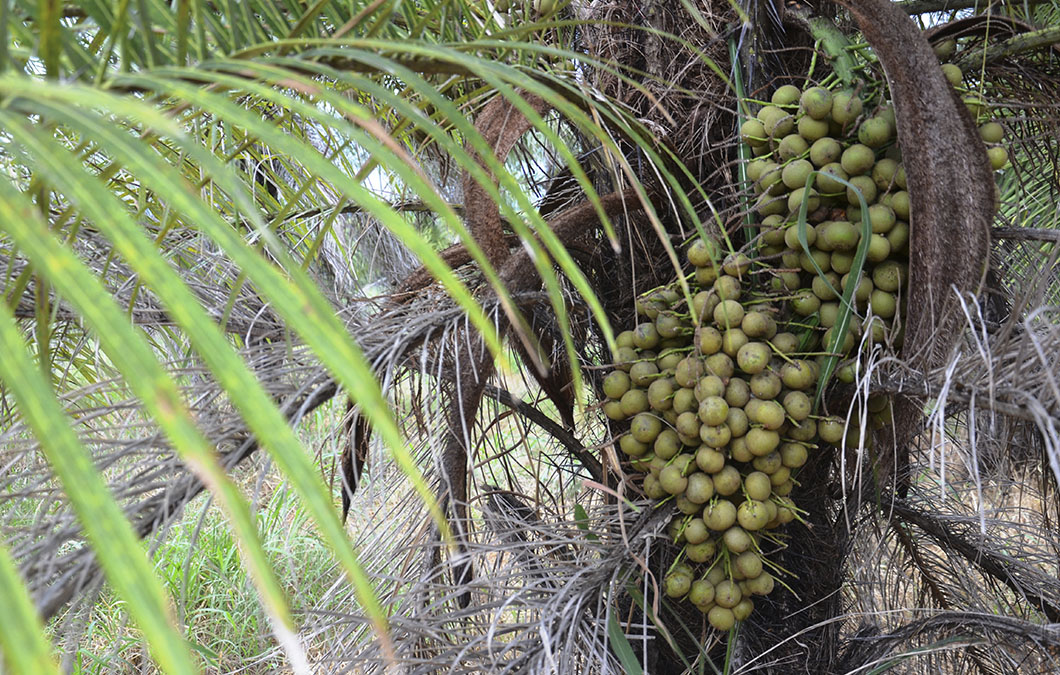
(719, 404)
(719, 392)
(850, 159)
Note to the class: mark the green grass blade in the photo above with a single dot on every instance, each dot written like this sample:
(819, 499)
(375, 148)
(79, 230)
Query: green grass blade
(846, 303)
(120, 554)
(23, 646)
(621, 647)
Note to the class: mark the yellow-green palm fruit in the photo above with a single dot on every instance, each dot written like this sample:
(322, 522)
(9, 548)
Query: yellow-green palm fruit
(827, 185)
(858, 159)
(998, 157)
(874, 132)
(753, 132)
(721, 618)
(755, 168)
(846, 107)
(796, 198)
(879, 248)
(795, 173)
(945, 49)
(866, 186)
(816, 102)
(883, 173)
(841, 261)
(786, 95)
(825, 151)
(812, 129)
(992, 132)
(887, 113)
(882, 218)
(900, 204)
(889, 276)
(791, 146)
(776, 122)
(953, 74)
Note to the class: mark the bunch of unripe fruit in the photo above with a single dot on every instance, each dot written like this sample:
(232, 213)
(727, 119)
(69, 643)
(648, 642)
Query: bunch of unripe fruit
(719, 401)
(850, 155)
(718, 387)
(852, 160)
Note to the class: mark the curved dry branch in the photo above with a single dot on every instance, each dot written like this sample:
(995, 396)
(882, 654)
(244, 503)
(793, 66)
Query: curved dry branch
(956, 535)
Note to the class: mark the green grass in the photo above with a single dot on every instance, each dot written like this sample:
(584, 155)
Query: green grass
(215, 602)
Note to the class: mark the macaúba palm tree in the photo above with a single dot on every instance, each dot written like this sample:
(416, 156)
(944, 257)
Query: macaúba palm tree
(220, 217)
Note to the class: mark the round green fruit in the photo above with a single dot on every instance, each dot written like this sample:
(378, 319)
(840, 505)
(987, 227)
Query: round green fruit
(792, 146)
(858, 159)
(752, 515)
(998, 157)
(777, 123)
(645, 336)
(765, 385)
(616, 384)
(696, 531)
(825, 151)
(713, 410)
(727, 481)
(953, 74)
(702, 552)
(795, 173)
(677, 585)
(826, 184)
(700, 489)
(786, 95)
(645, 427)
(632, 447)
(710, 460)
(812, 129)
(863, 186)
(793, 455)
(992, 132)
(753, 132)
(945, 49)
(846, 107)
(816, 102)
(797, 405)
(831, 430)
(737, 264)
(736, 393)
(757, 486)
(737, 540)
(719, 515)
(798, 196)
(634, 401)
(762, 584)
(749, 563)
(701, 593)
(874, 132)
(753, 357)
(667, 444)
(761, 442)
(728, 313)
(721, 619)
(758, 325)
